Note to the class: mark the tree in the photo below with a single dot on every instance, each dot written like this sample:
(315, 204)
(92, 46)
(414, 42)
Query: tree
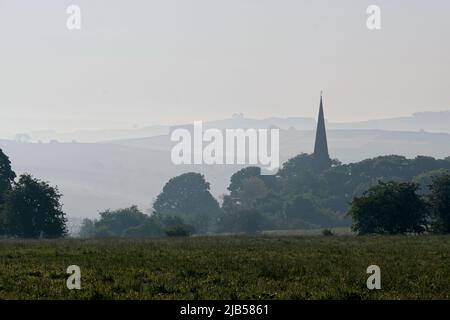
(342, 183)
(298, 176)
(299, 196)
(7, 176)
(389, 208)
(439, 200)
(424, 180)
(175, 227)
(127, 222)
(188, 197)
(272, 206)
(303, 211)
(297, 164)
(251, 190)
(132, 223)
(32, 209)
(238, 178)
(115, 223)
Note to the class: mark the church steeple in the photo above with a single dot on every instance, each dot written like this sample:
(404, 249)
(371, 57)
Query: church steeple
(322, 159)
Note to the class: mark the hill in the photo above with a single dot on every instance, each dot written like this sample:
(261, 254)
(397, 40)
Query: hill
(97, 176)
(436, 122)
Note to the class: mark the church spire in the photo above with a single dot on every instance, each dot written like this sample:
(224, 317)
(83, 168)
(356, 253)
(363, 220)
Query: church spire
(321, 157)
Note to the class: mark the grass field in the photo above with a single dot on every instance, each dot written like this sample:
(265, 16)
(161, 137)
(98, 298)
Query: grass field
(266, 267)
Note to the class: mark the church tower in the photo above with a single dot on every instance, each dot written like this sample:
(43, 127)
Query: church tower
(322, 159)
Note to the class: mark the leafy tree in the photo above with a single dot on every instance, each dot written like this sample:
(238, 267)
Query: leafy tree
(424, 180)
(230, 204)
(303, 211)
(132, 223)
(175, 227)
(247, 195)
(188, 197)
(344, 182)
(7, 176)
(389, 208)
(248, 189)
(272, 205)
(32, 209)
(439, 200)
(252, 190)
(296, 165)
(116, 222)
(283, 198)
(298, 176)
(423, 164)
(237, 179)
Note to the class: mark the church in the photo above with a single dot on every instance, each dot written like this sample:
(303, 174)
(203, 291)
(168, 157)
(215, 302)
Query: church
(322, 159)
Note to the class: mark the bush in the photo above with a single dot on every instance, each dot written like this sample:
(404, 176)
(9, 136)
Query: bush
(116, 222)
(327, 233)
(175, 227)
(389, 208)
(178, 231)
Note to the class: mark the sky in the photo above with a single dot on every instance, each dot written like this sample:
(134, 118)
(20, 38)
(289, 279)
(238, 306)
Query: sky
(143, 62)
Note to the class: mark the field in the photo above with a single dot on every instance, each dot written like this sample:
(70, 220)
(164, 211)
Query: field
(265, 267)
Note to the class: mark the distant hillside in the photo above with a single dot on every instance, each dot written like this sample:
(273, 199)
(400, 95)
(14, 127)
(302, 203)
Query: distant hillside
(97, 176)
(346, 145)
(426, 121)
(98, 135)
(423, 121)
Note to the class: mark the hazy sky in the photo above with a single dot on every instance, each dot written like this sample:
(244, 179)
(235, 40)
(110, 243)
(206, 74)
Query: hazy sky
(172, 61)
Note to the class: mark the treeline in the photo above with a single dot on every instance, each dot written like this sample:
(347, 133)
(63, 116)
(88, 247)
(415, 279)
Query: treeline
(132, 223)
(297, 197)
(398, 208)
(388, 194)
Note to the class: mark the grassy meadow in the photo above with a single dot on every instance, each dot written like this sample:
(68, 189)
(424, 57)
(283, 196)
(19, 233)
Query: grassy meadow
(231, 267)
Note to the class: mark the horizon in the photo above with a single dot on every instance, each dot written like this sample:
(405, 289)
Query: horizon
(135, 126)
